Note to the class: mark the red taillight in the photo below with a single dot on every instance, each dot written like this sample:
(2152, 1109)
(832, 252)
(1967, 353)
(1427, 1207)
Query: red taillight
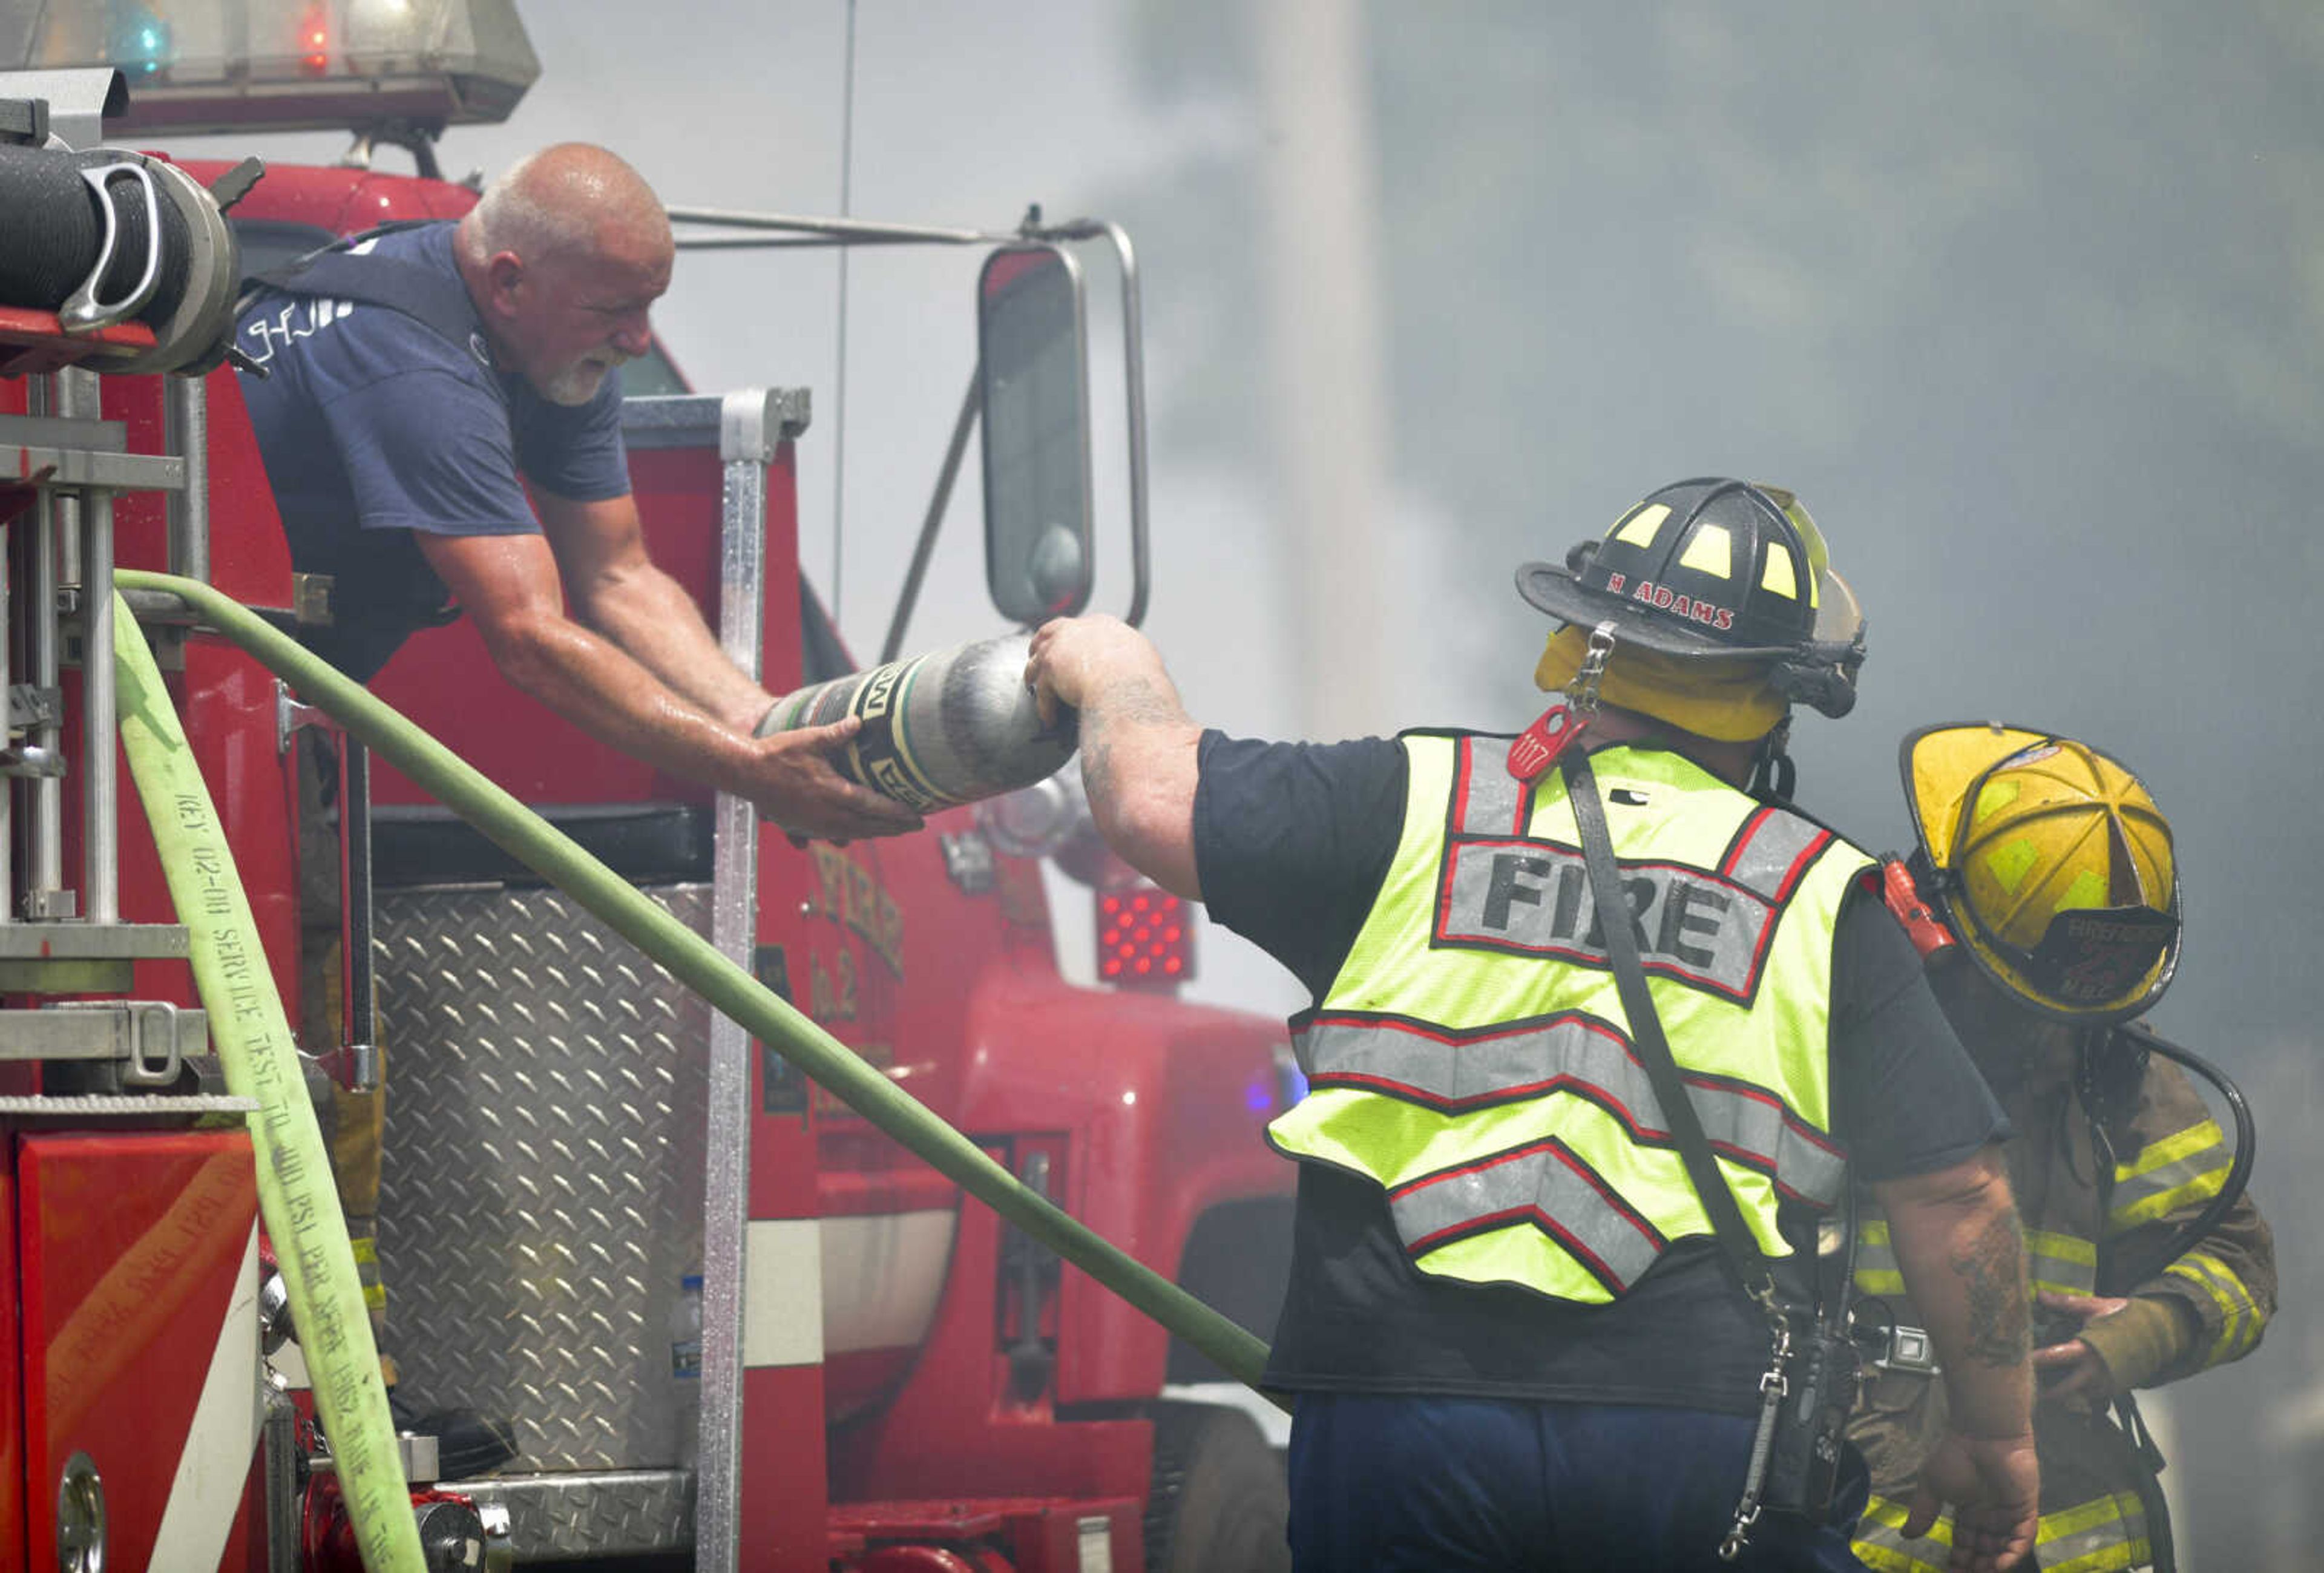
(1144, 935)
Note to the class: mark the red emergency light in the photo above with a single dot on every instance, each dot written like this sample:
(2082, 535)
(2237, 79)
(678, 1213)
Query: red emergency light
(1145, 936)
(314, 41)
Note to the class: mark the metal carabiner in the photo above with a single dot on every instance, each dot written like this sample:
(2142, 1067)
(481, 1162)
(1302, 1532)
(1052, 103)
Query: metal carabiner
(82, 311)
(1581, 693)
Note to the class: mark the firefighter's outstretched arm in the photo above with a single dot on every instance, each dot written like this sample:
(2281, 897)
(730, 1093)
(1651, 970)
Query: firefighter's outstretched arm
(1138, 743)
(616, 589)
(1963, 1258)
(509, 585)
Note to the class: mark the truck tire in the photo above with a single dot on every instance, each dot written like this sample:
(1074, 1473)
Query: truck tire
(1218, 1504)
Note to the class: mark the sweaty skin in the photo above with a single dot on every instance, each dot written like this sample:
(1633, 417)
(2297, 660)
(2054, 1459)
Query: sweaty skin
(1956, 1231)
(563, 258)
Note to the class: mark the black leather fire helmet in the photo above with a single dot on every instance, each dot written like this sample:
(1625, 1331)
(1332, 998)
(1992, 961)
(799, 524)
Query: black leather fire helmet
(1717, 570)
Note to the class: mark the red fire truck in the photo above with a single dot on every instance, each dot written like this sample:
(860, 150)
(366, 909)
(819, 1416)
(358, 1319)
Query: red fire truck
(722, 1314)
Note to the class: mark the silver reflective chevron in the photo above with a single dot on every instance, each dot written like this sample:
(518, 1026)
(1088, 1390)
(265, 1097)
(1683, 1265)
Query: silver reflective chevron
(1452, 1071)
(1542, 1184)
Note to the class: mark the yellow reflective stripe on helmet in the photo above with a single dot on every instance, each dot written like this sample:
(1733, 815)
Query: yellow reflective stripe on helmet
(1711, 552)
(2012, 861)
(2240, 1320)
(2062, 1264)
(2087, 890)
(2187, 1167)
(1778, 576)
(2104, 1535)
(1639, 529)
(1996, 796)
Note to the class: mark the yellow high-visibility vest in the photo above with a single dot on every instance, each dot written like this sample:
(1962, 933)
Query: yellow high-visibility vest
(1472, 1056)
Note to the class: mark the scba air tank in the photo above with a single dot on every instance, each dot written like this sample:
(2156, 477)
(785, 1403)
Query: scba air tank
(940, 730)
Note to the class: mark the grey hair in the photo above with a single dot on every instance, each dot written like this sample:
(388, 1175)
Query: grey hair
(512, 215)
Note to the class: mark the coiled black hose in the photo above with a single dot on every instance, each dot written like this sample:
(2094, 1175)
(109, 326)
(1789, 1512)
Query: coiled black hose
(52, 233)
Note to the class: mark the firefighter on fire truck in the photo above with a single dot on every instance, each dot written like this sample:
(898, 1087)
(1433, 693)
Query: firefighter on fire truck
(438, 407)
(412, 376)
(2055, 887)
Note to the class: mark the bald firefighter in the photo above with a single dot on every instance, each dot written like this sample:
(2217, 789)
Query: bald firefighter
(1534, 1321)
(2044, 890)
(438, 406)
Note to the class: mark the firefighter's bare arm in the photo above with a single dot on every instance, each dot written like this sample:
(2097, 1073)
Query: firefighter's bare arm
(508, 584)
(1963, 1258)
(1138, 744)
(616, 589)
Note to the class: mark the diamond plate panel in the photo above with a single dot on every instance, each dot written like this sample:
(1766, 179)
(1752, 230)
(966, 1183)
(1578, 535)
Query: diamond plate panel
(542, 1183)
(558, 1517)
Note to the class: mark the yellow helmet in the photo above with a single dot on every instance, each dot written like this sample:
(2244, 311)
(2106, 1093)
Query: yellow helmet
(2051, 863)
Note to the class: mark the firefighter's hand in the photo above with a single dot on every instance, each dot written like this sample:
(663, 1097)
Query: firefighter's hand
(1074, 657)
(794, 785)
(1995, 1488)
(2067, 1367)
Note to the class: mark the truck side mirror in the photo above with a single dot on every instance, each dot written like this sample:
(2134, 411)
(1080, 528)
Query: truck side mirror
(1033, 377)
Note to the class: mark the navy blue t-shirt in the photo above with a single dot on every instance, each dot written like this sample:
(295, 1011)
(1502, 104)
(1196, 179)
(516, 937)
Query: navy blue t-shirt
(373, 425)
(1291, 844)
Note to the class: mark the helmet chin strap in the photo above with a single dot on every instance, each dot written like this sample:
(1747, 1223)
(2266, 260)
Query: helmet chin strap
(1773, 773)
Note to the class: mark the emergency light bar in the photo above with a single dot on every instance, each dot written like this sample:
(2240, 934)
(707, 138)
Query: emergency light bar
(198, 65)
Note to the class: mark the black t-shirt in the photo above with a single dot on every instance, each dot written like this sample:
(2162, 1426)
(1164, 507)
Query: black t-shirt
(1291, 844)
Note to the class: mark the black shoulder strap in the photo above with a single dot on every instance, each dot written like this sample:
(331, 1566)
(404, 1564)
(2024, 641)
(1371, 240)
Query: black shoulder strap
(1737, 1244)
(418, 291)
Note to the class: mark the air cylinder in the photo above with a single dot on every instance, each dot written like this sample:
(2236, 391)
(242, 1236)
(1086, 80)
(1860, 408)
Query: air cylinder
(940, 730)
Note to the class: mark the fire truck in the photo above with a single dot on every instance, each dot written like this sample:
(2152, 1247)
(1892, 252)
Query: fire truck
(718, 1311)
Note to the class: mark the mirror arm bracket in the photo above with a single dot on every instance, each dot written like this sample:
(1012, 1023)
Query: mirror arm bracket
(908, 598)
(1133, 360)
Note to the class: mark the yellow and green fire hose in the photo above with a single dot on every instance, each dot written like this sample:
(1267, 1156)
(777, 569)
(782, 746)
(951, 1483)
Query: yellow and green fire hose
(294, 1177)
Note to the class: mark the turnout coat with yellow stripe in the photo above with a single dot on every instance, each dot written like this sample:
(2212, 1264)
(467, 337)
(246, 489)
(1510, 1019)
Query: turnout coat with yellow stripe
(2167, 1160)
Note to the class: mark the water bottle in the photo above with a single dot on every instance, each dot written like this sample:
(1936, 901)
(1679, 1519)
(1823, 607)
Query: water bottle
(685, 1366)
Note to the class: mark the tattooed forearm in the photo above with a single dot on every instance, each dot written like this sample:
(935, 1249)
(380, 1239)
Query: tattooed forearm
(1110, 719)
(1992, 1271)
(1099, 778)
(1140, 750)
